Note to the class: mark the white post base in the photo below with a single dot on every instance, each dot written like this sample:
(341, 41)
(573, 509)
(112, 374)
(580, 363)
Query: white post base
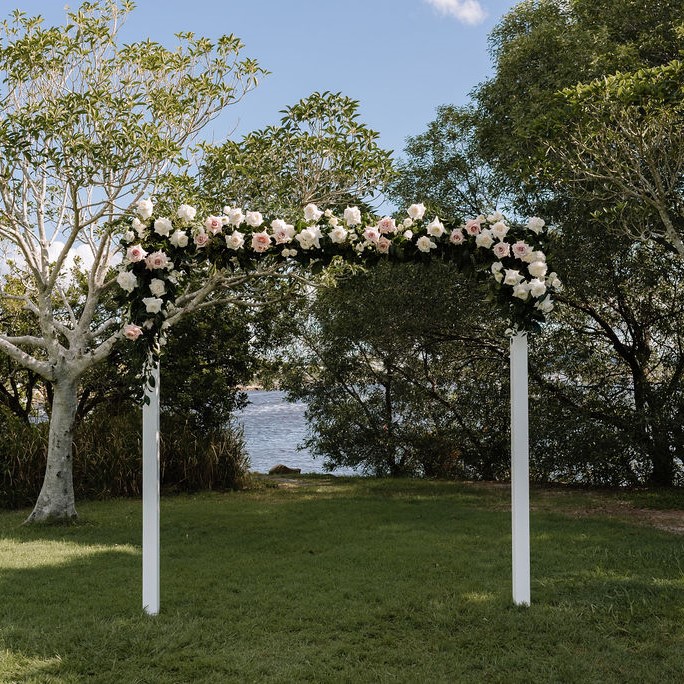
(520, 471)
(150, 494)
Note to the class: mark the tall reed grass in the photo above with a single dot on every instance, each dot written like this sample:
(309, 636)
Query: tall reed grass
(108, 457)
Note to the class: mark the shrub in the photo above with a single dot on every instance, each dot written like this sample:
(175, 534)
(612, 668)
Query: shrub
(108, 457)
(22, 460)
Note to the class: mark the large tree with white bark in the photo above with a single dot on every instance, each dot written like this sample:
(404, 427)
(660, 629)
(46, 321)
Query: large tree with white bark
(89, 127)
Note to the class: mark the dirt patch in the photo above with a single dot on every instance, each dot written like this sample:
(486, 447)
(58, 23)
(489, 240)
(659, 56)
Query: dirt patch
(581, 504)
(294, 482)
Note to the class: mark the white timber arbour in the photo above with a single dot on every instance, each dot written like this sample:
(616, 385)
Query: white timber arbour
(520, 503)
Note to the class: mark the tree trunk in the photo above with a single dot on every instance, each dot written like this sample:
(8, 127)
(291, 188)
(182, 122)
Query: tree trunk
(56, 499)
(663, 472)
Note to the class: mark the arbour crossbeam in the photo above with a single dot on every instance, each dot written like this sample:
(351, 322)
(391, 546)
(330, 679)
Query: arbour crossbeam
(161, 254)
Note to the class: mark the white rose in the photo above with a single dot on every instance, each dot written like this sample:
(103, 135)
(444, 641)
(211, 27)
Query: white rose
(416, 212)
(312, 212)
(496, 267)
(127, 281)
(235, 240)
(408, 234)
(495, 217)
(254, 219)
(545, 305)
(308, 238)
(153, 304)
(537, 269)
(179, 239)
(162, 226)
(498, 276)
(157, 287)
(499, 230)
(484, 239)
(352, 216)
(338, 235)
(186, 212)
(287, 252)
(521, 291)
(235, 217)
(537, 288)
(536, 224)
(145, 208)
(424, 244)
(513, 277)
(333, 221)
(129, 236)
(138, 226)
(407, 223)
(435, 228)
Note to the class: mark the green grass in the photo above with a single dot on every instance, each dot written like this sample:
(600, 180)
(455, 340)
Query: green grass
(342, 581)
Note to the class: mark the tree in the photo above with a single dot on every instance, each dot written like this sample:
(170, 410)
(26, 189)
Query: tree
(89, 127)
(320, 153)
(627, 145)
(388, 363)
(600, 160)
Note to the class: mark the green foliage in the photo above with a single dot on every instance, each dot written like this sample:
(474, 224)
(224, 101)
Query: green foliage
(400, 368)
(82, 108)
(344, 580)
(22, 460)
(107, 456)
(542, 47)
(320, 153)
(609, 371)
(444, 169)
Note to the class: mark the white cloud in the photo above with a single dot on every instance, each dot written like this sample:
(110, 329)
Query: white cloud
(83, 252)
(467, 11)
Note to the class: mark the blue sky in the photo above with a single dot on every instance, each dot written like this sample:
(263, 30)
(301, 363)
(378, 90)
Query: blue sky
(399, 58)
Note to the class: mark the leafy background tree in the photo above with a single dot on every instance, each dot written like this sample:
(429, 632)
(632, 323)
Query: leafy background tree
(606, 392)
(320, 153)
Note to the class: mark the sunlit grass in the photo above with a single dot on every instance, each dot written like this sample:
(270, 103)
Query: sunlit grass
(342, 581)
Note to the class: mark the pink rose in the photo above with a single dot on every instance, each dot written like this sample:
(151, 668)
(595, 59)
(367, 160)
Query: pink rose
(132, 332)
(200, 239)
(156, 260)
(387, 225)
(384, 245)
(261, 241)
(472, 227)
(456, 237)
(371, 234)
(213, 224)
(135, 253)
(502, 249)
(282, 232)
(521, 249)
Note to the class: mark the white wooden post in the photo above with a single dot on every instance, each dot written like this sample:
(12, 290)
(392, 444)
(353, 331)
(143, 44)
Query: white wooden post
(520, 470)
(150, 493)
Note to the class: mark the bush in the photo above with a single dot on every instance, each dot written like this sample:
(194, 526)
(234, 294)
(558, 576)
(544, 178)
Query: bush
(108, 457)
(23, 449)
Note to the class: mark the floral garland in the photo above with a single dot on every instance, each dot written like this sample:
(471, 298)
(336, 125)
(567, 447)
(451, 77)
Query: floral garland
(161, 253)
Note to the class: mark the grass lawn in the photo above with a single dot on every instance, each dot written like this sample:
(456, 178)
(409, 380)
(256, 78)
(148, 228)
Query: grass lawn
(347, 580)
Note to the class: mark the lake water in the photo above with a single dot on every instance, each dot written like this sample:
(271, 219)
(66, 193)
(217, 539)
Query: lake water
(274, 428)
